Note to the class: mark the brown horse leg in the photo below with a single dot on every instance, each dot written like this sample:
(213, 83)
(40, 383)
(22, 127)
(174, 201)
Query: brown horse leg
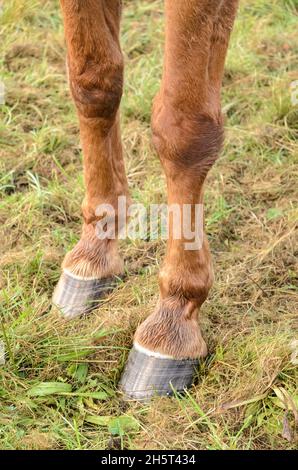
(95, 66)
(188, 133)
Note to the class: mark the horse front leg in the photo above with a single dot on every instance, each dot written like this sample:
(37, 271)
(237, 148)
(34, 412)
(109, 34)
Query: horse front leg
(95, 67)
(188, 133)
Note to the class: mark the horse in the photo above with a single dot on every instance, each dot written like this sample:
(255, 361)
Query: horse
(187, 132)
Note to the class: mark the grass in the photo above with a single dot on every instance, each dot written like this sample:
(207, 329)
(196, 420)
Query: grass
(58, 387)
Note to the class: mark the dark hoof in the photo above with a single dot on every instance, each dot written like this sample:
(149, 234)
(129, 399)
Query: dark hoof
(145, 376)
(74, 296)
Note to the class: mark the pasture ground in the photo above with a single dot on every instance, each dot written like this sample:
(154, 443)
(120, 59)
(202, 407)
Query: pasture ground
(246, 396)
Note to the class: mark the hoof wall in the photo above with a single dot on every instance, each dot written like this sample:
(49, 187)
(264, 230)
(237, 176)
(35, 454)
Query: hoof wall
(146, 376)
(74, 296)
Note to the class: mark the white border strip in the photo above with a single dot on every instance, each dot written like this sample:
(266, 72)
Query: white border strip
(146, 351)
(80, 278)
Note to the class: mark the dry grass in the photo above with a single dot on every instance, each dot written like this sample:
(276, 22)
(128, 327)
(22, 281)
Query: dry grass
(246, 397)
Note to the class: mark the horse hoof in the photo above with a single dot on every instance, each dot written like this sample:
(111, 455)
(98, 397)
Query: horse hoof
(148, 375)
(75, 296)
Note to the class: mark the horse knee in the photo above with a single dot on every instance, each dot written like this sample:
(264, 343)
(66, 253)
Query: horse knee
(97, 90)
(189, 141)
